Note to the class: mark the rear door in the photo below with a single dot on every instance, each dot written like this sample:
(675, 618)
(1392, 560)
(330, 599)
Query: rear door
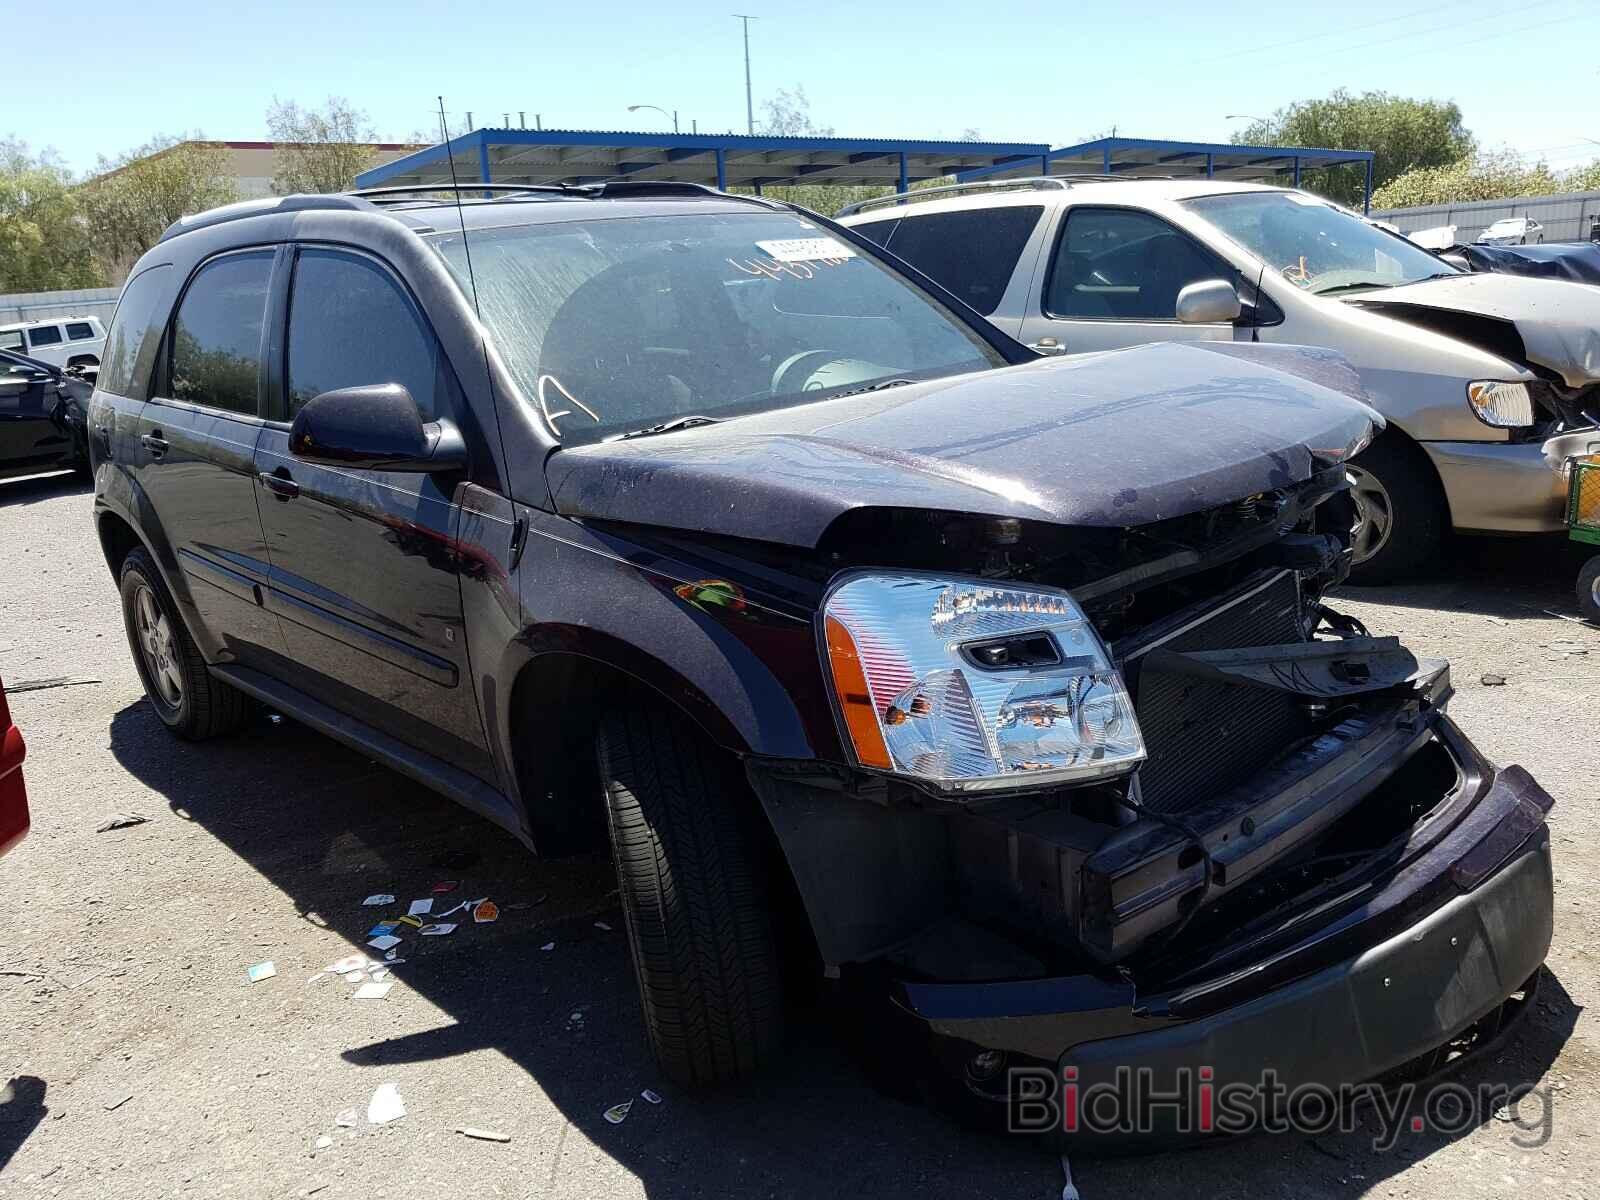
(1113, 278)
(365, 563)
(194, 457)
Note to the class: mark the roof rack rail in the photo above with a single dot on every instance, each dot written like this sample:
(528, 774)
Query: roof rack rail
(401, 193)
(1024, 183)
(263, 207)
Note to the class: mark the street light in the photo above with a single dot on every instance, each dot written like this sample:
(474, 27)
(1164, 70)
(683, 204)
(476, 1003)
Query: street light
(657, 108)
(1246, 117)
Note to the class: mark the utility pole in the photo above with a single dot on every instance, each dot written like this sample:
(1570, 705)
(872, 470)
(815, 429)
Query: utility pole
(749, 105)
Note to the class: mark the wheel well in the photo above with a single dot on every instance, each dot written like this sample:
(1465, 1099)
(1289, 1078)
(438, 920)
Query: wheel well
(116, 539)
(77, 359)
(556, 704)
(1395, 436)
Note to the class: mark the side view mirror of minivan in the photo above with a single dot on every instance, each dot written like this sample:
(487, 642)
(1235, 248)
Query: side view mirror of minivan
(377, 427)
(1208, 302)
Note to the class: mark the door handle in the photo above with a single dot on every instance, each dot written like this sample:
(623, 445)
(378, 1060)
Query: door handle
(1048, 345)
(279, 484)
(155, 443)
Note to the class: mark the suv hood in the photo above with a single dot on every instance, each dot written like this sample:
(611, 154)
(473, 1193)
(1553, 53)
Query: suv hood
(1553, 323)
(1116, 439)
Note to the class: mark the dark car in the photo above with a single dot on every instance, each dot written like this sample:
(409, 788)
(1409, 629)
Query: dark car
(42, 417)
(701, 519)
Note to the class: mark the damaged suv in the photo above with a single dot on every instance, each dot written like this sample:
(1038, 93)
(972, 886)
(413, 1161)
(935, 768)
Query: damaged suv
(692, 516)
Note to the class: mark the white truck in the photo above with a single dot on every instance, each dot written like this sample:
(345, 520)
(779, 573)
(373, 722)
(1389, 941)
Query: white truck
(63, 342)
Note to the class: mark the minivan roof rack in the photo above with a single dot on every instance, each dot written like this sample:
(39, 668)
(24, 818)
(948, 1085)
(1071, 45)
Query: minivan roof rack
(1026, 183)
(264, 207)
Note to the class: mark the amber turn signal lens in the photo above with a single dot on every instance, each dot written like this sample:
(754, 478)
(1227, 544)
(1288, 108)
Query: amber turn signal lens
(855, 700)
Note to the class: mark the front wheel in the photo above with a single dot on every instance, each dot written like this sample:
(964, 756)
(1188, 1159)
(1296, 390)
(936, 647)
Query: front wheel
(687, 848)
(1401, 516)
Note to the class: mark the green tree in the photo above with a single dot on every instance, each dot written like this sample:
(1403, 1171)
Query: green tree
(788, 114)
(1404, 135)
(319, 150)
(44, 244)
(1496, 175)
(1583, 179)
(132, 198)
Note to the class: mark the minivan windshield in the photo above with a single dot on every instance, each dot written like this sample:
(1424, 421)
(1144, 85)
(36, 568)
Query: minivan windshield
(1315, 245)
(627, 324)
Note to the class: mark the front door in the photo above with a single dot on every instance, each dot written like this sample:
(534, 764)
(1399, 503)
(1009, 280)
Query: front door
(1113, 280)
(195, 450)
(32, 434)
(364, 563)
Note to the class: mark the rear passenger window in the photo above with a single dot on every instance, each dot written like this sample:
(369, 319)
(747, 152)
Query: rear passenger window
(79, 331)
(973, 253)
(45, 335)
(350, 325)
(11, 339)
(130, 350)
(216, 337)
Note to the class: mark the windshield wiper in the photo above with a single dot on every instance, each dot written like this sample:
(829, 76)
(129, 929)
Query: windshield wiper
(670, 426)
(872, 387)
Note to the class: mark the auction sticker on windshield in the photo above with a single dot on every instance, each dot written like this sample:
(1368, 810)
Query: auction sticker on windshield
(820, 249)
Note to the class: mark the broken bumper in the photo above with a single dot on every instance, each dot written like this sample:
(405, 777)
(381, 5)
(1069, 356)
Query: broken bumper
(1376, 989)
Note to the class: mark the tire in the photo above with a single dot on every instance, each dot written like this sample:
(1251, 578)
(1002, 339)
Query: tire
(1401, 518)
(190, 701)
(1589, 591)
(699, 922)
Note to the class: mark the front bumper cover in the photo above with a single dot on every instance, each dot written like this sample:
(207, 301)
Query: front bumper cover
(1408, 990)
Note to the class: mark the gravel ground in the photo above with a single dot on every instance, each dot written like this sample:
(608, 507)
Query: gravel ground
(145, 1064)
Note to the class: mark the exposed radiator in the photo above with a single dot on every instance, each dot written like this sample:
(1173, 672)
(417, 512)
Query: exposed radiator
(1204, 737)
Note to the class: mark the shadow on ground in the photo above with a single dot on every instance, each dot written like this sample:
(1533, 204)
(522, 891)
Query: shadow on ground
(327, 826)
(22, 1107)
(32, 489)
(1511, 578)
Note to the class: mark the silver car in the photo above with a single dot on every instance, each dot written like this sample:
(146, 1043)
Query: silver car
(1473, 372)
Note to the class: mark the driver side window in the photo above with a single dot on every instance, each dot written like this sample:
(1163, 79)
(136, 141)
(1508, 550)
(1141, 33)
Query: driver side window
(350, 325)
(1120, 264)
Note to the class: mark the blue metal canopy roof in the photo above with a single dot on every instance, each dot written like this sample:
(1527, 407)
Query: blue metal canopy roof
(725, 160)
(1150, 156)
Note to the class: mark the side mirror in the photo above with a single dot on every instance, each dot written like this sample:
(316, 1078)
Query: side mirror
(1208, 302)
(377, 427)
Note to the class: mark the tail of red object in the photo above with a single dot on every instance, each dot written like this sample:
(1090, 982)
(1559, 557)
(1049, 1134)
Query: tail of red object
(13, 796)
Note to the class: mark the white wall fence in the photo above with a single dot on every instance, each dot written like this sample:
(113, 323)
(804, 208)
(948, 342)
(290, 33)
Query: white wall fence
(36, 306)
(1566, 217)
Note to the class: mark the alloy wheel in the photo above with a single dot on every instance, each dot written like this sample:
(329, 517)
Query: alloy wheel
(159, 647)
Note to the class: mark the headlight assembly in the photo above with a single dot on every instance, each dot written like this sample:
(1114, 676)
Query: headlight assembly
(967, 684)
(1503, 405)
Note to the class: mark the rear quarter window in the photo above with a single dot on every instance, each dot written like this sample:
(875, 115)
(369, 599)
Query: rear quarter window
(79, 331)
(141, 317)
(973, 253)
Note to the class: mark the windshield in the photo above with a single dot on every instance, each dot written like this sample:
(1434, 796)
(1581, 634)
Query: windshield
(1314, 245)
(615, 325)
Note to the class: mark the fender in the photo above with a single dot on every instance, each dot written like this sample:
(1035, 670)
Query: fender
(746, 672)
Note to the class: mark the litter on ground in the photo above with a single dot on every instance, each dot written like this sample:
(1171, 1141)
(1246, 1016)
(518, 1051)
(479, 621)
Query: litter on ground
(324, 1142)
(262, 970)
(383, 942)
(382, 898)
(374, 991)
(437, 930)
(618, 1113)
(446, 886)
(420, 908)
(483, 1135)
(386, 1104)
(486, 911)
(601, 925)
(548, 946)
(651, 1097)
(346, 1119)
(1493, 681)
(119, 820)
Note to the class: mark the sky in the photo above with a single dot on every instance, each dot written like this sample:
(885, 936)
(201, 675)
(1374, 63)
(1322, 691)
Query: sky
(1526, 74)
